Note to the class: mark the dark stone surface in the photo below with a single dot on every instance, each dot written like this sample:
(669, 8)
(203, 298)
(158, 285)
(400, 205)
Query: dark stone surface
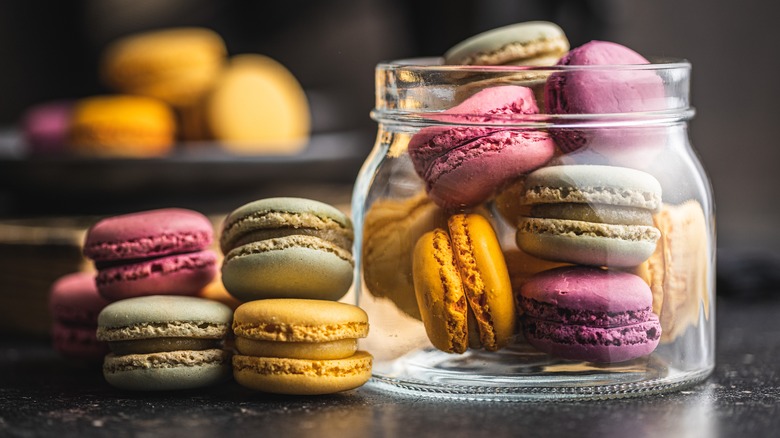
(41, 395)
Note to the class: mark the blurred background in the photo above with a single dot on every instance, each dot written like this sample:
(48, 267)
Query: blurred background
(51, 51)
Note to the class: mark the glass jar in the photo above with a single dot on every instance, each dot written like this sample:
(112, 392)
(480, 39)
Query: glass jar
(517, 250)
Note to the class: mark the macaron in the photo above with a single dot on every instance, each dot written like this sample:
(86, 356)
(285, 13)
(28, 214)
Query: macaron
(287, 248)
(122, 126)
(156, 252)
(452, 159)
(534, 43)
(392, 228)
(589, 314)
(45, 127)
(590, 215)
(175, 65)
(607, 90)
(679, 269)
(462, 286)
(74, 304)
(257, 106)
(162, 343)
(300, 347)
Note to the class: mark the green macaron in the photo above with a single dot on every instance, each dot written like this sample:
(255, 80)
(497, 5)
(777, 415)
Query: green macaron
(165, 342)
(590, 215)
(287, 248)
(534, 43)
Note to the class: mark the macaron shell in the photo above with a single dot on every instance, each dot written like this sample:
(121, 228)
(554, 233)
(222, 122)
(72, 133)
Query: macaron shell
(121, 126)
(440, 294)
(174, 370)
(586, 243)
(679, 268)
(458, 178)
(593, 344)
(518, 44)
(579, 288)
(299, 320)
(77, 341)
(164, 316)
(176, 65)
(148, 234)
(179, 274)
(282, 212)
(597, 184)
(485, 278)
(301, 376)
(288, 267)
(258, 106)
(74, 298)
(392, 228)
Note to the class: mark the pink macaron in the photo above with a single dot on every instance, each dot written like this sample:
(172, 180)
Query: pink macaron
(157, 252)
(452, 160)
(74, 304)
(608, 90)
(589, 314)
(45, 127)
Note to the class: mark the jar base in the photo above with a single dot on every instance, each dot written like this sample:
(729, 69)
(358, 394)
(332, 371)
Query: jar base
(521, 373)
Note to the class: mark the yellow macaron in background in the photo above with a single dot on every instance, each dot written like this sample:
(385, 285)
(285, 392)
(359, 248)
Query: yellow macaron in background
(300, 346)
(256, 106)
(122, 126)
(176, 65)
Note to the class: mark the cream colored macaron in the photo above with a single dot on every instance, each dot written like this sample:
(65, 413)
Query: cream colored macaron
(533, 43)
(299, 346)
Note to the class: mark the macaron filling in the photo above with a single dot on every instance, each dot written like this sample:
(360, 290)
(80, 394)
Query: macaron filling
(642, 333)
(596, 213)
(129, 250)
(572, 228)
(339, 236)
(552, 313)
(337, 349)
(293, 241)
(158, 345)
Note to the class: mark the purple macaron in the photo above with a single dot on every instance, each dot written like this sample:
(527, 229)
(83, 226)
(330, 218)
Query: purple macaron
(589, 314)
(452, 160)
(607, 90)
(158, 252)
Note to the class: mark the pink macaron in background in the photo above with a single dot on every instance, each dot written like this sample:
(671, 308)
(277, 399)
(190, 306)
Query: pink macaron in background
(45, 127)
(589, 314)
(452, 160)
(74, 304)
(607, 90)
(156, 252)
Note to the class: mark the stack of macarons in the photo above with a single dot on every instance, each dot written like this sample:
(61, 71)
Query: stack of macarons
(290, 260)
(150, 265)
(582, 213)
(170, 85)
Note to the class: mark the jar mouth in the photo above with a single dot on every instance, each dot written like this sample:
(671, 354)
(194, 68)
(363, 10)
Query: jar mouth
(425, 91)
(436, 64)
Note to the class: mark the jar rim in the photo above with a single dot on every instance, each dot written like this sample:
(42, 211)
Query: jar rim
(436, 64)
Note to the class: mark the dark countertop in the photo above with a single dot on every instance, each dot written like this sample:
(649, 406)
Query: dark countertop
(41, 395)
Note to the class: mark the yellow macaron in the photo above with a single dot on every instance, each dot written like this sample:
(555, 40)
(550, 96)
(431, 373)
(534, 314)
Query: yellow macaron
(122, 126)
(256, 107)
(300, 346)
(462, 286)
(175, 65)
